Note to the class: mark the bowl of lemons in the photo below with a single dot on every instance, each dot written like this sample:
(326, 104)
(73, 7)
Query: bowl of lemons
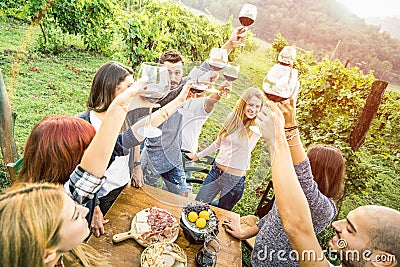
(198, 221)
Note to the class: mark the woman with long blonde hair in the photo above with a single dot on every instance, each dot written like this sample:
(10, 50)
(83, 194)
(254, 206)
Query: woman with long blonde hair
(42, 226)
(235, 143)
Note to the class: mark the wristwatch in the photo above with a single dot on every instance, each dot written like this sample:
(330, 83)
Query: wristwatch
(136, 163)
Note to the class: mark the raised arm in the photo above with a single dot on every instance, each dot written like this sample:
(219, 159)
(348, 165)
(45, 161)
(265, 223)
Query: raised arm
(163, 113)
(97, 155)
(291, 201)
(297, 151)
(238, 36)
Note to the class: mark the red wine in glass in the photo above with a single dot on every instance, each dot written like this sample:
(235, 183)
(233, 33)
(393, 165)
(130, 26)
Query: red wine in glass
(216, 66)
(246, 21)
(230, 77)
(275, 98)
(152, 92)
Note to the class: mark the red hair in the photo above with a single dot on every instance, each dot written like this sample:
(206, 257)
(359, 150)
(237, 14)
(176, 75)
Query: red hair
(54, 148)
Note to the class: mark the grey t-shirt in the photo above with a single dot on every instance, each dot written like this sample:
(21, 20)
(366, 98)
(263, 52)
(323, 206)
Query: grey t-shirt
(165, 150)
(272, 247)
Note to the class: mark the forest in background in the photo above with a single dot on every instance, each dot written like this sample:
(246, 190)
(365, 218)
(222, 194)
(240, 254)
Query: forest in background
(325, 27)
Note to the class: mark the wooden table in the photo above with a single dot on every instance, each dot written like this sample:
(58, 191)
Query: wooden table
(131, 201)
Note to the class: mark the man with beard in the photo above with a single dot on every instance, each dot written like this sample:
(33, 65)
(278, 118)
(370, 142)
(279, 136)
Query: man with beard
(368, 236)
(161, 156)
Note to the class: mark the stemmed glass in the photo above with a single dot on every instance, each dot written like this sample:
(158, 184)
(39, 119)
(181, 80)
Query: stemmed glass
(218, 59)
(247, 16)
(200, 80)
(281, 83)
(231, 73)
(153, 80)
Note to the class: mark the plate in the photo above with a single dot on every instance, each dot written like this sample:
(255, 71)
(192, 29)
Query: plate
(212, 222)
(153, 225)
(163, 255)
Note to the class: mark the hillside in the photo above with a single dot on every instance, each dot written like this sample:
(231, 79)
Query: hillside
(325, 27)
(390, 25)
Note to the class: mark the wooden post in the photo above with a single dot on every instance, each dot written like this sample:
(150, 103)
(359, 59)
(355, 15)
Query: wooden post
(8, 147)
(374, 99)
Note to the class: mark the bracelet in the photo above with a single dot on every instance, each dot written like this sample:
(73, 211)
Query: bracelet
(288, 129)
(290, 137)
(136, 163)
(295, 145)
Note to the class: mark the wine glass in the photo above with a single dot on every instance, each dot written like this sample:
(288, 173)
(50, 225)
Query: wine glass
(247, 16)
(281, 83)
(200, 80)
(218, 59)
(153, 80)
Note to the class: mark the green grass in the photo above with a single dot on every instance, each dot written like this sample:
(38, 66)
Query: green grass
(40, 85)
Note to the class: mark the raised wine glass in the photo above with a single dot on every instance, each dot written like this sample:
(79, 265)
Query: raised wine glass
(153, 80)
(200, 80)
(281, 81)
(247, 16)
(218, 59)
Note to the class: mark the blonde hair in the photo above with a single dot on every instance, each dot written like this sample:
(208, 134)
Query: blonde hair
(30, 222)
(239, 119)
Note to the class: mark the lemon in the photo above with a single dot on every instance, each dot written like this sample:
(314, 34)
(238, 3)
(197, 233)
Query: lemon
(201, 222)
(192, 216)
(204, 214)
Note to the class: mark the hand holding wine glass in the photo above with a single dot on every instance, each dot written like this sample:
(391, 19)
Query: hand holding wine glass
(247, 16)
(200, 81)
(153, 79)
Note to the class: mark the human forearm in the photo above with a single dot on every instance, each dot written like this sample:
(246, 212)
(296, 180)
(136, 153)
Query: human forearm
(97, 155)
(209, 150)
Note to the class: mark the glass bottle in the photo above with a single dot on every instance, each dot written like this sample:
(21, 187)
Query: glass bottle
(207, 254)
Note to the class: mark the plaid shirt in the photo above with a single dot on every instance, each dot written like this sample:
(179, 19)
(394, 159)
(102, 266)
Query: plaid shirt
(82, 186)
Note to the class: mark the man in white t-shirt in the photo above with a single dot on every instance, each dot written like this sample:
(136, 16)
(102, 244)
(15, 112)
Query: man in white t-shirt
(200, 109)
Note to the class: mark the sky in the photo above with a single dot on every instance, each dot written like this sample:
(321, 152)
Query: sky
(373, 8)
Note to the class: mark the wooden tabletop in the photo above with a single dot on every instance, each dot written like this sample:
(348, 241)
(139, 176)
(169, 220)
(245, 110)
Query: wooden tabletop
(133, 200)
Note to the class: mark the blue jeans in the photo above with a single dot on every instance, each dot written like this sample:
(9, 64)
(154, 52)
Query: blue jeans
(174, 179)
(230, 186)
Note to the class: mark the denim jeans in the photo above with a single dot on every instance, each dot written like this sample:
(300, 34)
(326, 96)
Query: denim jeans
(230, 186)
(174, 179)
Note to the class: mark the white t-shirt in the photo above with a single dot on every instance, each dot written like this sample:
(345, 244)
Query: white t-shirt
(118, 173)
(191, 125)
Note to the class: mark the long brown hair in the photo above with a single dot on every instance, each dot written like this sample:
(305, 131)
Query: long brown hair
(104, 84)
(239, 119)
(54, 148)
(328, 167)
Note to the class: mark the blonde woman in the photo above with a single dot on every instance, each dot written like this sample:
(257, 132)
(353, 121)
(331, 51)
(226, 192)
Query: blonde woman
(235, 143)
(40, 225)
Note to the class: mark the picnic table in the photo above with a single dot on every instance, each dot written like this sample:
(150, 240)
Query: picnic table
(133, 200)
